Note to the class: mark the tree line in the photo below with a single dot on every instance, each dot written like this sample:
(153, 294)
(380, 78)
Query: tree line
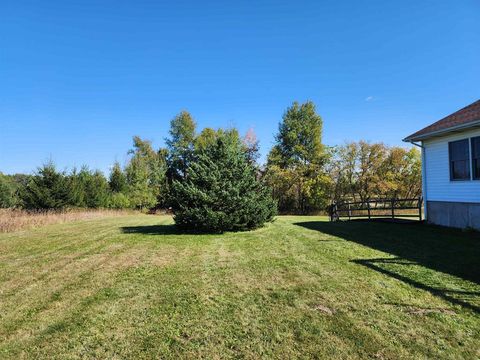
(301, 174)
(306, 176)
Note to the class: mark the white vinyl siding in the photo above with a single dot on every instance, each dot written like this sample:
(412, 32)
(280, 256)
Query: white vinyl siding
(438, 185)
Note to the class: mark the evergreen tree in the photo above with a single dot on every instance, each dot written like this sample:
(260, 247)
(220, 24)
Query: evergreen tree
(117, 181)
(222, 192)
(206, 137)
(96, 189)
(47, 189)
(88, 188)
(77, 188)
(8, 189)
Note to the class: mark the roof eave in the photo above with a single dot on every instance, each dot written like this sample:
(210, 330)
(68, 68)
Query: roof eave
(441, 132)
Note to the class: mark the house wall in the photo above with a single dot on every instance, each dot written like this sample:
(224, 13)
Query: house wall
(454, 214)
(449, 203)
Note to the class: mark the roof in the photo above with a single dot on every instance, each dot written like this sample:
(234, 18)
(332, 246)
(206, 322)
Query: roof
(464, 118)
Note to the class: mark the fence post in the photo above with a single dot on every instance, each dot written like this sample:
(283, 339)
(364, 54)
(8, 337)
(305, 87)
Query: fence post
(349, 212)
(393, 208)
(368, 208)
(420, 208)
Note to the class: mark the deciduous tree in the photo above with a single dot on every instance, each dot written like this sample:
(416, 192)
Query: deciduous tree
(295, 163)
(146, 175)
(180, 144)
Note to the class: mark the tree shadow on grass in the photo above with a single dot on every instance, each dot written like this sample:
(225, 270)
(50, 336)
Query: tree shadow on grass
(169, 229)
(417, 245)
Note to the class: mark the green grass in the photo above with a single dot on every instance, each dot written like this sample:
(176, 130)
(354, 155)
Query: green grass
(132, 287)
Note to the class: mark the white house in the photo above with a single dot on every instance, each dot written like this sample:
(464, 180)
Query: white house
(451, 168)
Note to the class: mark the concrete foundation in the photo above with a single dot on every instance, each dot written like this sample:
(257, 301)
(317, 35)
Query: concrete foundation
(454, 214)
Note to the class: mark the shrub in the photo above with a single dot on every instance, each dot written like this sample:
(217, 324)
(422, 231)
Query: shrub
(119, 201)
(221, 191)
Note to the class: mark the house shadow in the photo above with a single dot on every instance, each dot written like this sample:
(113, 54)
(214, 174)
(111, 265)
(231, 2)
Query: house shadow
(467, 299)
(449, 251)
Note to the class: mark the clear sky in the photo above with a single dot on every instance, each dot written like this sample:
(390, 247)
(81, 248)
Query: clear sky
(79, 78)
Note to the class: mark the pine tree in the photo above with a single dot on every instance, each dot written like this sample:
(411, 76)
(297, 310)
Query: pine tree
(96, 190)
(221, 192)
(88, 188)
(77, 188)
(47, 189)
(7, 191)
(117, 181)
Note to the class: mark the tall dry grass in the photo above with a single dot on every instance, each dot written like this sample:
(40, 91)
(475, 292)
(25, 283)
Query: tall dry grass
(13, 219)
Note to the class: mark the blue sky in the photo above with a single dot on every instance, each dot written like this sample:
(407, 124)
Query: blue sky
(79, 79)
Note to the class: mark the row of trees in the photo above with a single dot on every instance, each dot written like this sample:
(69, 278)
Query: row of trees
(306, 175)
(302, 174)
(360, 171)
(141, 184)
(145, 182)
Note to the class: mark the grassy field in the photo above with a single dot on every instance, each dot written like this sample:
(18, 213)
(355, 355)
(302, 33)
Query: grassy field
(132, 287)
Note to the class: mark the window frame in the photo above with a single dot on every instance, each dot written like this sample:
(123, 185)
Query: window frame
(468, 160)
(472, 159)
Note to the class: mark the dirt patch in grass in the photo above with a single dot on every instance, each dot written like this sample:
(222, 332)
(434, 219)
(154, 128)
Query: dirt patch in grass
(323, 309)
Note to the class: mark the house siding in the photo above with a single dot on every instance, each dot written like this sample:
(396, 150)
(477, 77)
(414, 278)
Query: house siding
(438, 186)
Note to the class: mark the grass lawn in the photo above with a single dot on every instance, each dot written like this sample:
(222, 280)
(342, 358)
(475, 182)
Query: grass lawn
(132, 287)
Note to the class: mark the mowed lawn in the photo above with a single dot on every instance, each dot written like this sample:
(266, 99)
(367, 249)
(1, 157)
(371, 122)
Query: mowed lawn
(133, 287)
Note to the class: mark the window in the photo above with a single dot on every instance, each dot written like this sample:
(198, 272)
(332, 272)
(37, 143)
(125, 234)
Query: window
(459, 153)
(476, 157)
